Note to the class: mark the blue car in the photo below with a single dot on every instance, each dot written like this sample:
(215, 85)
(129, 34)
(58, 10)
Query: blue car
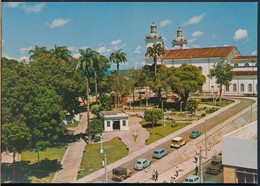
(159, 153)
(195, 134)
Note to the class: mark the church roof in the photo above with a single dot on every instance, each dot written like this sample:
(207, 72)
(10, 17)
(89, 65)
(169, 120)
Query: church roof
(199, 52)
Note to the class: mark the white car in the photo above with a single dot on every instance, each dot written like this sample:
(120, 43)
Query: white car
(192, 179)
(177, 142)
(142, 163)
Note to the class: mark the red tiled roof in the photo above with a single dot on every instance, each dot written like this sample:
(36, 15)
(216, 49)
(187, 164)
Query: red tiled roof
(244, 73)
(199, 52)
(244, 57)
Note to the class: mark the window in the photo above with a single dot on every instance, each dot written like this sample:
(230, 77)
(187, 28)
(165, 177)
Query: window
(124, 122)
(108, 123)
(242, 87)
(234, 87)
(250, 87)
(246, 65)
(236, 65)
(256, 64)
(227, 88)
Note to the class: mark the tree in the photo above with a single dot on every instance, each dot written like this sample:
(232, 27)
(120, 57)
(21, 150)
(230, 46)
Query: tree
(63, 53)
(97, 126)
(95, 109)
(155, 53)
(187, 79)
(222, 71)
(153, 115)
(37, 52)
(85, 64)
(192, 106)
(118, 57)
(106, 102)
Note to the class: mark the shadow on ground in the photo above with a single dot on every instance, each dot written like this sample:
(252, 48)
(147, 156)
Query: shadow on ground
(21, 171)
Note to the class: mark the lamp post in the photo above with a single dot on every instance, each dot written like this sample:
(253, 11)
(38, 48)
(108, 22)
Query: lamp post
(181, 106)
(206, 151)
(104, 161)
(101, 144)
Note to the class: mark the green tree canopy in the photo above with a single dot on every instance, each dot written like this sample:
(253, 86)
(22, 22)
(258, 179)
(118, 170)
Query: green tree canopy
(153, 115)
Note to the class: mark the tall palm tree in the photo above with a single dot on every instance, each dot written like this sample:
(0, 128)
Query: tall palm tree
(118, 57)
(85, 64)
(62, 52)
(34, 54)
(97, 66)
(155, 53)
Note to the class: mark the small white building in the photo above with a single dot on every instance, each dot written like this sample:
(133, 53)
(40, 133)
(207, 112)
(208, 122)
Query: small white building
(114, 120)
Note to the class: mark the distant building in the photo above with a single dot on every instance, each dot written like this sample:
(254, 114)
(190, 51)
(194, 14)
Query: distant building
(239, 155)
(245, 67)
(115, 120)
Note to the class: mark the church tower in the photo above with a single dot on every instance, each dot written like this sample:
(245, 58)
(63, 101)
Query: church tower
(153, 37)
(179, 42)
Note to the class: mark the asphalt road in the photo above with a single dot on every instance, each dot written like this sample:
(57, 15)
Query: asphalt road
(210, 124)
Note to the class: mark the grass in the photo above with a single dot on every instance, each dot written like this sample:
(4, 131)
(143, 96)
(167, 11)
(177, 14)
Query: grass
(222, 103)
(92, 159)
(159, 131)
(49, 162)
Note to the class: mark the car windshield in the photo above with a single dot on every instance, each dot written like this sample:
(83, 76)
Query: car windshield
(139, 162)
(194, 132)
(175, 141)
(155, 152)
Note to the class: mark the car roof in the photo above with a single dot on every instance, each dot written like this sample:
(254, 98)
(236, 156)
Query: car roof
(159, 149)
(195, 131)
(191, 177)
(177, 138)
(141, 159)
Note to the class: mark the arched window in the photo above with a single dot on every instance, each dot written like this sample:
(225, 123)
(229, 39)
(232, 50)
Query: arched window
(227, 88)
(246, 65)
(242, 87)
(234, 87)
(250, 87)
(236, 65)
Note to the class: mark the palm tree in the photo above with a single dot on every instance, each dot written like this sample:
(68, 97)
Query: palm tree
(192, 106)
(118, 57)
(62, 52)
(97, 66)
(34, 54)
(85, 64)
(155, 52)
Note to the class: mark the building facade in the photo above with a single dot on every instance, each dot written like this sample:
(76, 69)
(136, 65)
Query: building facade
(244, 72)
(114, 120)
(239, 155)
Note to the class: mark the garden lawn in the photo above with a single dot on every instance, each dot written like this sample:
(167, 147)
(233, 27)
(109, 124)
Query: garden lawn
(48, 164)
(92, 159)
(159, 131)
(222, 103)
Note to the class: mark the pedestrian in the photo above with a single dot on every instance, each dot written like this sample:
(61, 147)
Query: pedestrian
(196, 170)
(156, 175)
(209, 147)
(173, 179)
(176, 173)
(153, 174)
(195, 159)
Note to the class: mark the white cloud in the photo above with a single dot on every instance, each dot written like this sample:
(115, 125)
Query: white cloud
(24, 49)
(240, 34)
(197, 34)
(195, 19)
(71, 48)
(195, 46)
(138, 49)
(119, 47)
(165, 23)
(24, 58)
(35, 8)
(83, 47)
(103, 50)
(58, 23)
(77, 55)
(254, 53)
(116, 42)
(8, 57)
(226, 45)
(191, 40)
(12, 4)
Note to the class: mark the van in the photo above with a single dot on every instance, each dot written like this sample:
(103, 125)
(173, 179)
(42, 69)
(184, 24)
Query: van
(177, 142)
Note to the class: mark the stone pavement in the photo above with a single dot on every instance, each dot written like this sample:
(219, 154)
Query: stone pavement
(128, 136)
(183, 156)
(72, 157)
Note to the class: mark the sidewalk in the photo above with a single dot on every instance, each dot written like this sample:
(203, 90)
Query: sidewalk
(72, 157)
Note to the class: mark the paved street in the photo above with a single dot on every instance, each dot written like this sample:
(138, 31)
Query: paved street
(237, 113)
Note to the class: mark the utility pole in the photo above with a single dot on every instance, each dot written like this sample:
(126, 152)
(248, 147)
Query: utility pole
(201, 167)
(206, 151)
(105, 159)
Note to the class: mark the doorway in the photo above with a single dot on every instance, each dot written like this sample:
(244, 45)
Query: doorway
(116, 125)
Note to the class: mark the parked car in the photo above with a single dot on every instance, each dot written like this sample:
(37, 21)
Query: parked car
(159, 153)
(142, 163)
(195, 134)
(192, 179)
(215, 166)
(177, 142)
(121, 173)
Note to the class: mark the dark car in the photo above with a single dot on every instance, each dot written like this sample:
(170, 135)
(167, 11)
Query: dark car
(215, 166)
(121, 173)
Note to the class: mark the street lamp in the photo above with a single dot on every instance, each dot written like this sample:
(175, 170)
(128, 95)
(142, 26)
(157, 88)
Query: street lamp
(181, 106)
(104, 161)
(206, 151)
(101, 144)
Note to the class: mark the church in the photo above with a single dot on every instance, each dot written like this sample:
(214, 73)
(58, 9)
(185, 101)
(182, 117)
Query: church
(244, 82)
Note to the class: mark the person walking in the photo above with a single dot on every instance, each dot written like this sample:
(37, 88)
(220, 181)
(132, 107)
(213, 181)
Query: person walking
(173, 179)
(153, 176)
(195, 159)
(156, 175)
(196, 170)
(176, 173)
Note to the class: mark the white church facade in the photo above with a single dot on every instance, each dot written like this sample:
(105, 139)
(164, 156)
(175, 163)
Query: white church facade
(244, 67)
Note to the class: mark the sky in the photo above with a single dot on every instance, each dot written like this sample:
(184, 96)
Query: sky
(109, 26)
